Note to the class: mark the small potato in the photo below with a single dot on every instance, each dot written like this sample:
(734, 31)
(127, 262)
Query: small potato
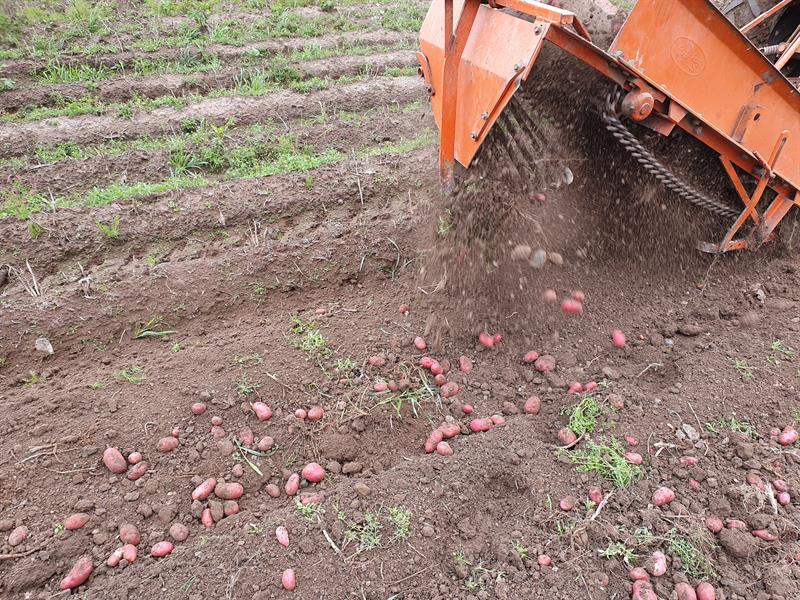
(380, 386)
(590, 387)
(545, 363)
(532, 406)
(78, 574)
(464, 364)
(115, 558)
(218, 433)
(161, 549)
(530, 357)
(436, 368)
(575, 388)
(663, 496)
(282, 535)
(631, 440)
(567, 504)
(755, 480)
(313, 472)
(449, 389)
(292, 484)
(315, 413)
(129, 552)
(289, 580)
(179, 532)
(376, 361)
(497, 338)
(550, 296)
(246, 436)
(229, 491)
(444, 449)
(320, 311)
(544, 560)
(539, 197)
(714, 524)
(204, 490)
(468, 409)
(176, 432)
(735, 524)
(425, 362)
(788, 436)
(638, 574)
(216, 421)
(486, 340)
(694, 485)
(498, 420)
(595, 494)
(237, 470)
(566, 437)
(114, 461)
(449, 430)
(129, 534)
(17, 536)
(263, 412)
(688, 461)
(198, 408)
(135, 458)
(657, 565)
(642, 590)
(265, 443)
(784, 499)
(633, 457)
(137, 471)
(479, 425)
(779, 485)
(206, 518)
(419, 343)
(765, 535)
(571, 307)
(578, 296)
(76, 521)
(434, 438)
(440, 380)
(300, 414)
(404, 309)
(167, 444)
(618, 338)
(272, 490)
(684, 591)
(705, 591)
(230, 507)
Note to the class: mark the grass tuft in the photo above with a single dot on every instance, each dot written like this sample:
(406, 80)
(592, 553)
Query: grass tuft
(605, 458)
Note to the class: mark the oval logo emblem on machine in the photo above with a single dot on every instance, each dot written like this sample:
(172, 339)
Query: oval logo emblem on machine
(688, 55)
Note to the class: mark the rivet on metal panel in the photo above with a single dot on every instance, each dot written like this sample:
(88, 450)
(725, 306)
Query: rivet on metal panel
(484, 116)
(517, 68)
(473, 135)
(697, 130)
(538, 30)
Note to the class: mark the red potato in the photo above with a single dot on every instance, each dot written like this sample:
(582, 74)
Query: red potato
(765, 535)
(376, 361)
(272, 490)
(663, 496)
(638, 574)
(436, 368)
(544, 560)
(705, 591)
(17, 536)
(167, 444)
(784, 499)
(161, 549)
(788, 436)
(76, 521)
(657, 564)
(78, 574)
(575, 388)
(449, 389)
(218, 433)
(755, 480)
(444, 449)
(289, 580)
(578, 296)
(595, 495)
(380, 386)
(115, 558)
(631, 440)
(292, 484)
(313, 472)
(571, 307)
(198, 408)
(263, 412)
(779, 485)
(774, 433)
(616, 401)
(497, 338)
(735, 524)
(176, 432)
(532, 406)
(714, 524)
(618, 338)
(315, 413)
(688, 461)
(434, 438)
(128, 534)
(114, 461)
(237, 470)
(320, 311)
(449, 430)
(179, 532)
(306, 498)
(479, 425)
(404, 309)
(643, 590)
(633, 457)
(567, 504)
(206, 518)
(545, 363)
(246, 436)
(539, 196)
(135, 458)
(425, 362)
(530, 357)
(468, 409)
(486, 340)
(216, 421)
(550, 296)
(419, 343)
(203, 491)
(300, 414)
(590, 387)
(230, 507)
(229, 491)
(129, 552)
(464, 364)
(684, 591)
(440, 380)
(566, 437)
(498, 420)
(282, 535)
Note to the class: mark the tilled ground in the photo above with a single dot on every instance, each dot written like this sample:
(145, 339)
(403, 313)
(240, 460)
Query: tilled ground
(237, 243)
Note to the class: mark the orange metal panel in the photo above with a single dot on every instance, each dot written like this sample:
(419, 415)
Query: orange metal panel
(691, 52)
(498, 55)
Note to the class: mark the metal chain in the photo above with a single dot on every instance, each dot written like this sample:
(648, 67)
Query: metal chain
(651, 164)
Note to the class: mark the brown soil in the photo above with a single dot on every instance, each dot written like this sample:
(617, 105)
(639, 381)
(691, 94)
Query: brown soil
(228, 266)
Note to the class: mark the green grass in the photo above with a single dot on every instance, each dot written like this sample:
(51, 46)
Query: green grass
(618, 550)
(605, 458)
(110, 229)
(733, 424)
(744, 370)
(522, 551)
(367, 534)
(244, 387)
(58, 72)
(404, 17)
(400, 517)
(308, 511)
(152, 329)
(133, 374)
(694, 562)
(309, 339)
(583, 417)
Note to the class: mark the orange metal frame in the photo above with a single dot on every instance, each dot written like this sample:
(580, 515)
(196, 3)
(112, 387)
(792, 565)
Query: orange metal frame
(694, 69)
